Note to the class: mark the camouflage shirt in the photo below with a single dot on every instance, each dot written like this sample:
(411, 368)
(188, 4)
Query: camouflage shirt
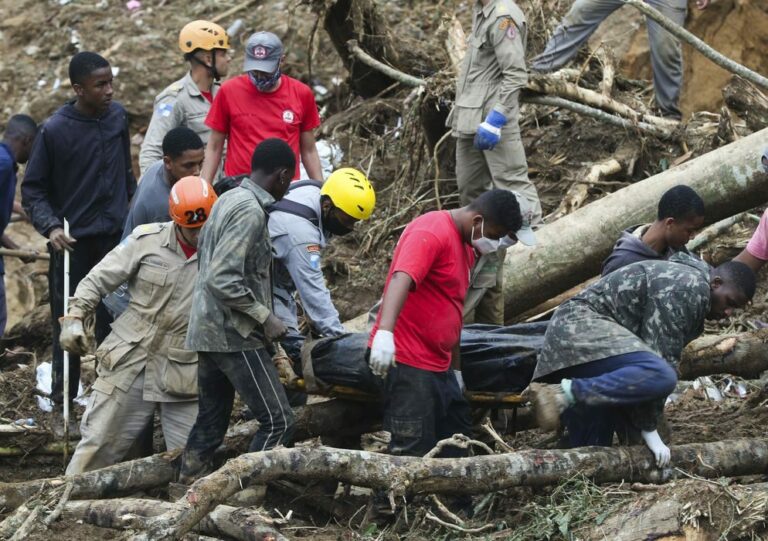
(654, 306)
(233, 293)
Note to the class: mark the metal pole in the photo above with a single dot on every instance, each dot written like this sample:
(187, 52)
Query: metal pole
(66, 353)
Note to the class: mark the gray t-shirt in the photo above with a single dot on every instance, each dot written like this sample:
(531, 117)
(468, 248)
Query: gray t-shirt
(150, 203)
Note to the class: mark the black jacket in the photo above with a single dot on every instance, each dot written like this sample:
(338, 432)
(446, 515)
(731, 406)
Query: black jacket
(80, 169)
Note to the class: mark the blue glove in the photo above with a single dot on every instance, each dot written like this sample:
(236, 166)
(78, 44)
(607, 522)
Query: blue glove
(489, 132)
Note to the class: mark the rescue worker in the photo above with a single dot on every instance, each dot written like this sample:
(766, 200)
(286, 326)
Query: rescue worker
(415, 341)
(259, 104)
(484, 120)
(143, 364)
(611, 351)
(187, 101)
(680, 214)
(489, 150)
(755, 254)
(299, 226)
(232, 322)
(666, 53)
(484, 302)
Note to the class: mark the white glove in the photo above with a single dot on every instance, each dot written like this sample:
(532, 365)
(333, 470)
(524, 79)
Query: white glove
(460, 380)
(660, 451)
(72, 337)
(382, 353)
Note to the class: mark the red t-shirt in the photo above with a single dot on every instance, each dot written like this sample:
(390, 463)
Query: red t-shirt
(432, 252)
(207, 95)
(188, 249)
(248, 117)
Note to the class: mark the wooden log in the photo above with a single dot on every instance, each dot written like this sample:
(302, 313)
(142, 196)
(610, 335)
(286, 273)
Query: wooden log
(232, 522)
(108, 482)
(571, 249)
(743, 354)
(473, 475)
(747, 101)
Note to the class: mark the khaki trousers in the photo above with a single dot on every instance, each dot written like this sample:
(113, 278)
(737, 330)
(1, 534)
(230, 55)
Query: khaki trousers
(113, 421)
(478, 171)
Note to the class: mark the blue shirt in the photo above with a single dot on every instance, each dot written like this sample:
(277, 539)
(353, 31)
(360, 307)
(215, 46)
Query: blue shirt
(7, 190)
(150, 203)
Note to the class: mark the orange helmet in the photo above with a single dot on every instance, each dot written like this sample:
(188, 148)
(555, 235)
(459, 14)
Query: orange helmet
(190, 202)
(202, 35)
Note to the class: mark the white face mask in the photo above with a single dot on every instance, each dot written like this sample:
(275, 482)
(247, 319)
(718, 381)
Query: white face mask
(483, 245)
(506, 242)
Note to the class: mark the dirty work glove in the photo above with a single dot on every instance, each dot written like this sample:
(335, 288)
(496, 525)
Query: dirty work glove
(72, 337)
(460, 380)
(284, 366)
(274, 328)
(489, 132)
(660, 451)
(382, 353)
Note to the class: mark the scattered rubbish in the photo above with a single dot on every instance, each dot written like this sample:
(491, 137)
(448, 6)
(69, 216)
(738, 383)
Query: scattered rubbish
(29, 421)
(710, 389)
(64, 2)
(41, 83)
(133, 5)
(330, 155)
(74, 38)
(235, 29)
(31, 50)
(57, 83)
(115, 71)
(43, 377)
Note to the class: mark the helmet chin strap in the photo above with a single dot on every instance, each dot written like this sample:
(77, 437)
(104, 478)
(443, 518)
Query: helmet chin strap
(212, 67)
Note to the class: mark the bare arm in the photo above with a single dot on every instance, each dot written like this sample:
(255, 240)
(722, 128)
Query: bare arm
(309, 156)
(749, 260)
(213, 151)
(394, 300)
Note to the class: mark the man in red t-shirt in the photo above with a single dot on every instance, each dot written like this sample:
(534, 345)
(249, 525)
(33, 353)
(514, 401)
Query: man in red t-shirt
(416, 336)
(260, 104)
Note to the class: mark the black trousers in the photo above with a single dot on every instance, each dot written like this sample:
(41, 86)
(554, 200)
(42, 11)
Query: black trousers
(253, 375)
(422, 408)
(87, 253)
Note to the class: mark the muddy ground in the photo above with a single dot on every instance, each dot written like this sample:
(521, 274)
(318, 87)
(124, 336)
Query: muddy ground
(380, 136)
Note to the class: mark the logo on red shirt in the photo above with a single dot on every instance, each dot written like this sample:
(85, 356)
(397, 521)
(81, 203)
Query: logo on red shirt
(288, 116)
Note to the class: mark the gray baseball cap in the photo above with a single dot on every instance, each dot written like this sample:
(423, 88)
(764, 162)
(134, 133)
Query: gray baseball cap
(263, 52)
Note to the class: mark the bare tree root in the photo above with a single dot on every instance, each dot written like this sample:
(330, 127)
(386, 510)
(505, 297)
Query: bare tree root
(480, 474)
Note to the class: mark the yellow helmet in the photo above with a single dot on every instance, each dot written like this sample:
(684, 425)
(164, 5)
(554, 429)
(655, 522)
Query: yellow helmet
(351, 192)
(202, 35)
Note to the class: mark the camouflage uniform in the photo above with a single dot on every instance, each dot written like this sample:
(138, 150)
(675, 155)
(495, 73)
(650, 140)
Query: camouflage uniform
(231, 301)
(651, 306)
(492, 74)
(180, 104)
(143, 363)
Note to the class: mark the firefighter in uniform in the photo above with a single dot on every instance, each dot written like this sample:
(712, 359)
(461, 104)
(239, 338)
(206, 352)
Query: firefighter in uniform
(299, 226)
(186, 102)
(143, 364)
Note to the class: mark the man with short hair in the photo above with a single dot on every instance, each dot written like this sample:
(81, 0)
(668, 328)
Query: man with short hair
(232, 321)
(187, 101)
(259, 104)
(680, 215)
(80, 170)
(611, 351)
(415, 340)
(143, 365)
(15, 147)
(183, 152)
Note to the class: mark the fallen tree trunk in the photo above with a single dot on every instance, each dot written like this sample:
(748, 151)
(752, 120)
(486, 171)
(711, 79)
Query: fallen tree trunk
(474, 475)
(571, 250)
(742, 354)
(747, 101)
(124, 514)
(122, 478)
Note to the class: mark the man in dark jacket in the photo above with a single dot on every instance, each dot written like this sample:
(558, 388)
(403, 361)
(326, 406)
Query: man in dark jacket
(80, 170)
(680, 215)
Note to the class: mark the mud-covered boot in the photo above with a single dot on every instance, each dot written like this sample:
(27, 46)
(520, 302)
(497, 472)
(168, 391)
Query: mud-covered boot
(549, 402)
